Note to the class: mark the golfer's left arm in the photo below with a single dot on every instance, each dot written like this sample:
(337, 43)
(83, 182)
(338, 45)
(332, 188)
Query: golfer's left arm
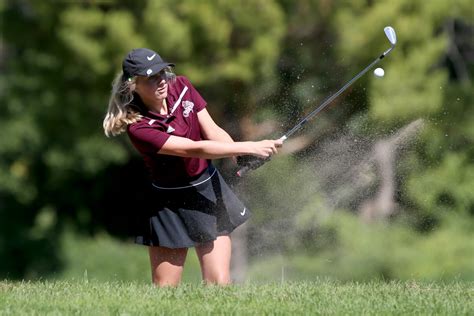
(210, 130)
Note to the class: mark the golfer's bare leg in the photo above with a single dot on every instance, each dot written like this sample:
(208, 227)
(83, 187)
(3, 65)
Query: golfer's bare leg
(167, 265)
(215, 260)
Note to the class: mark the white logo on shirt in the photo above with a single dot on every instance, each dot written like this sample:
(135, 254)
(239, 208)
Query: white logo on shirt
(243, 212)
(188, 107)
(170, 129)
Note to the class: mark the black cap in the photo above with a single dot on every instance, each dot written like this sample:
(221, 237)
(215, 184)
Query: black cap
(143, 62)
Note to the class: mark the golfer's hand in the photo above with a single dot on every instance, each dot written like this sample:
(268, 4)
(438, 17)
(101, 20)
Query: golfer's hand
(266, 148)
(264, 151)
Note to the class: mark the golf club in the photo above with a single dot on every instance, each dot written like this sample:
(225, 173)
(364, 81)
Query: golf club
(253, 163)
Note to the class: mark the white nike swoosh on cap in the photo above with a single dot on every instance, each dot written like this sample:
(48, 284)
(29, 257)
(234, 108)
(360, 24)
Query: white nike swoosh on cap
(150, 57)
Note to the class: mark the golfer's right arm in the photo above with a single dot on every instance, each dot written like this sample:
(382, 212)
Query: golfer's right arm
(209, 149)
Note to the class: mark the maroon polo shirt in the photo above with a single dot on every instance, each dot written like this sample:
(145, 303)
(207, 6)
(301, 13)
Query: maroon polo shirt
(150, 134)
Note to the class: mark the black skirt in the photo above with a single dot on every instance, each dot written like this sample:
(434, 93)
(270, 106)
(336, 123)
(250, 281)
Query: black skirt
(191, 214)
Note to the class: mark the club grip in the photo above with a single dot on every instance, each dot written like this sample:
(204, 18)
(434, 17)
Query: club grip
(248, 163)
(242, 171)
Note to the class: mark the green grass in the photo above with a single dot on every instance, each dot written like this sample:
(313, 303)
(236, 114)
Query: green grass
(83, 297)
(104, 276)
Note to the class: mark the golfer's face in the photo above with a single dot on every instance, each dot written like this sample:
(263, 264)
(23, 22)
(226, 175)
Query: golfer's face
(152, 88)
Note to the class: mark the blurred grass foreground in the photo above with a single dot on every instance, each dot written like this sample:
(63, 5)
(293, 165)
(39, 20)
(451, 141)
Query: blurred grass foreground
(345, 199)
(320, 297)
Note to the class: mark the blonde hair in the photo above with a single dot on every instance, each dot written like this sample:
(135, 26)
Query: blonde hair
(121, 112)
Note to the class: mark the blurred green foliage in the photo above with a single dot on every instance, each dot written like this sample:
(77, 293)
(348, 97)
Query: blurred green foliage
(349, 249)
(103, 258)
(254, 61)
(428, 77)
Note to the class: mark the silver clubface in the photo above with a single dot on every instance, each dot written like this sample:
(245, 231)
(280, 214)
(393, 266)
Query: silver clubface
(391, 35)
(392, 38)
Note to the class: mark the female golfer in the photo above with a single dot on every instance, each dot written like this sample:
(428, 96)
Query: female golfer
(192, 206)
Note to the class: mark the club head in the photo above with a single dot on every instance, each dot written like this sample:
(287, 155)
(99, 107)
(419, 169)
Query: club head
(391, 35)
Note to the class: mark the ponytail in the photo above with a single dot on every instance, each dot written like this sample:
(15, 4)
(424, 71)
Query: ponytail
(120, 113)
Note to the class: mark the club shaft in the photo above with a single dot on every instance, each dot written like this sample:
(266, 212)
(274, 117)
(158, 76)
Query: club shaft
(242, 171)
(331, 98)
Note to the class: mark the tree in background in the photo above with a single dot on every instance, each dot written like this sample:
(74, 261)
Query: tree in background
(58, 60)
(261, 65)
(427, 77)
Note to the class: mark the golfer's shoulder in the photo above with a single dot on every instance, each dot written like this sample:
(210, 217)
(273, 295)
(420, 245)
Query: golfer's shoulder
(139, 126)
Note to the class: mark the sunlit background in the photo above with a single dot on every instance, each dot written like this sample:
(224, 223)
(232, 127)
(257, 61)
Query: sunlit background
(378, 186)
